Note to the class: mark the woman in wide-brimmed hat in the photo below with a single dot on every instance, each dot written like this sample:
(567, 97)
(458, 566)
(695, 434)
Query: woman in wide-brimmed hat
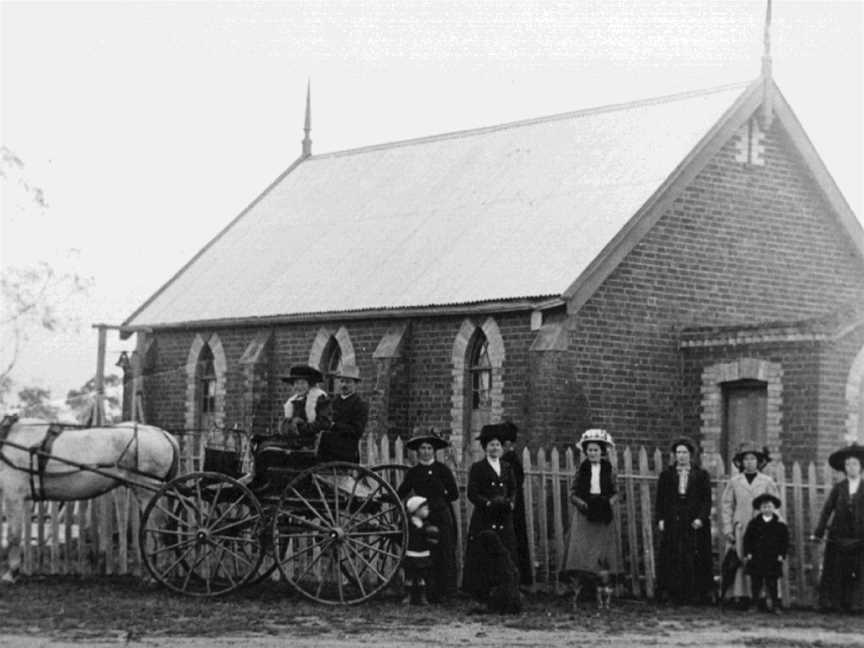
(736, 509)
(591, 541)
(842, 583)
(684, 519)
(491, 489)
(433, 480)
(307, 410)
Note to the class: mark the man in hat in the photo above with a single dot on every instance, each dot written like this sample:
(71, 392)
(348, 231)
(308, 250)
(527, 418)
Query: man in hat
(350, 412)
(307, 411)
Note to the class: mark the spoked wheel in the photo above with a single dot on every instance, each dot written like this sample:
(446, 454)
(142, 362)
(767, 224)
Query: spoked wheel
(344, 531)
(201, 534)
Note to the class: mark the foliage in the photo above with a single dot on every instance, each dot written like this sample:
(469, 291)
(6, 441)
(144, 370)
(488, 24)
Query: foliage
(35, 402)
(80, 401)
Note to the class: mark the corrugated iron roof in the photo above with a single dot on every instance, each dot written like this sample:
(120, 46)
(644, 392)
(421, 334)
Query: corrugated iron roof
(517, 210)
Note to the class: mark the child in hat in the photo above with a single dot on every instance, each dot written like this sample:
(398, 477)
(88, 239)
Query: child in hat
(766, 544)
(418, 556)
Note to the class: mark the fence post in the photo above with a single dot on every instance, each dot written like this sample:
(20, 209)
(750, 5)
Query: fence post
(632, 541)
(786, 590)
(799, 540)
(542, 515)
(528, 497)
(557, 514)
(647, 522)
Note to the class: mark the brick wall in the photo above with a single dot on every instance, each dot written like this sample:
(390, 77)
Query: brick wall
(421, 380)
(742, 244)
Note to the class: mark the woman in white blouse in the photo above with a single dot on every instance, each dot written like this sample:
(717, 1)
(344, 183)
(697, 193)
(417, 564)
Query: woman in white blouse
(591, 542)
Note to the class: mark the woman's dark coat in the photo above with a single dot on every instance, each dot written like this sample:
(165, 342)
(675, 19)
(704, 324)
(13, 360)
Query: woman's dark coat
(599, 508)
(493, 497)
(526, 573)
(764, 543)
(437, 484)
(842, 584)
(685, 562)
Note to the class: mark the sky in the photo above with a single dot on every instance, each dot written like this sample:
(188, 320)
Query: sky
(149, 126)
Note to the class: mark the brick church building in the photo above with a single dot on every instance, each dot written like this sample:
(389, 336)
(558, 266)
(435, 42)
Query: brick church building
(681, 265)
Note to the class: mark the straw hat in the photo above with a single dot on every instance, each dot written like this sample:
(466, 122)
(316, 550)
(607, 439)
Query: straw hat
(596, 435)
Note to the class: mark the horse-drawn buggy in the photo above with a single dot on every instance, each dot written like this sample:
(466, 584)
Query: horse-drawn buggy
(335, 531)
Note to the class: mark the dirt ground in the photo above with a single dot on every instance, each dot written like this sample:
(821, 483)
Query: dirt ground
(64, 612)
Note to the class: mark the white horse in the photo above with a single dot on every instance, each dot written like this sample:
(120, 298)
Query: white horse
(126, 453)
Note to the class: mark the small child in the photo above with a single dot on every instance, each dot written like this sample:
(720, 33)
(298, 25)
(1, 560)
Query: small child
(766, 543)
(418, 557)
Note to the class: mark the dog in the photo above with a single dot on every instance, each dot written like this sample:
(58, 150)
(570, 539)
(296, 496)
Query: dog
(604, 586)
(603, 582)
(502, 576)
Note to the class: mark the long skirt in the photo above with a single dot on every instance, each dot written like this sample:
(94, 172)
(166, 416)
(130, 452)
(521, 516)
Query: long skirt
(685, 560)
(590, 547)
(842, 584)
(442, 576)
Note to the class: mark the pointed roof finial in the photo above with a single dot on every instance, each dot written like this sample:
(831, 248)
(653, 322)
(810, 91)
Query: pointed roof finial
(767, 108)
(307, 126)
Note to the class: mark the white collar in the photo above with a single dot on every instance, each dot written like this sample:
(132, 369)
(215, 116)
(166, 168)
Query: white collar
(768, 519)
(495, 463)
(427, 463)
(417, 522)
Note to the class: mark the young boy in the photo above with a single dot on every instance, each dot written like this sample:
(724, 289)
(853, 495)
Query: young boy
(418, 557)
(766, 543)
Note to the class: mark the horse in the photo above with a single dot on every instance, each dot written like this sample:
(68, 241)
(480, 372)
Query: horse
(67, 464)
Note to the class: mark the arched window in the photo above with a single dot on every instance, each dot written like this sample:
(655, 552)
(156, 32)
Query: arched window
(331, 363)
(206, 389)
(480, 369)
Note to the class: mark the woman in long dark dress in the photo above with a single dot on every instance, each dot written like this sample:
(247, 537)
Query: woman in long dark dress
(683, 518)
(491, 489)
(526, 574)
(842, 583)
(435, 481)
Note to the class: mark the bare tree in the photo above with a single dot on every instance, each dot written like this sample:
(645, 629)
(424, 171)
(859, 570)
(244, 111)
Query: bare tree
(32, 297)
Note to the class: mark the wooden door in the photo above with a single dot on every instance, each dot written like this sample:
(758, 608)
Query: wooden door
(744, 415)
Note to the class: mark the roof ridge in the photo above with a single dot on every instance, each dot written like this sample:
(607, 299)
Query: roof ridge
(651, 101)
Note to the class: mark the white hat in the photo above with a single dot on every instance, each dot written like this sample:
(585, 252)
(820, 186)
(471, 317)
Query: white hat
(414, 503)
(596, 435)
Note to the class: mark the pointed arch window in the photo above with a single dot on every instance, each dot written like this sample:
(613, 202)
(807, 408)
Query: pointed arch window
(206, 388)
(480, 369)
(331, 363)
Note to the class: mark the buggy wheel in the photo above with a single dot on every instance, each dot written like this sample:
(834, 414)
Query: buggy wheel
(345, 532)
(201, 534)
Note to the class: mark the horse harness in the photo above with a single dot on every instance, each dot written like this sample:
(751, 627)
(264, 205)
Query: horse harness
(40, 454)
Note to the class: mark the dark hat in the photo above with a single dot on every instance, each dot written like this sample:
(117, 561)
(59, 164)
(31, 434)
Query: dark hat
(838, 459)
(509, 431)
(307, 373)
(766, 497)
(426, 435)
(685, 441)
(761, 454)
(491, 431)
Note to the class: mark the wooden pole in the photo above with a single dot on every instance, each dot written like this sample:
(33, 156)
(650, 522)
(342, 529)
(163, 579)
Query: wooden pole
(99, 407)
